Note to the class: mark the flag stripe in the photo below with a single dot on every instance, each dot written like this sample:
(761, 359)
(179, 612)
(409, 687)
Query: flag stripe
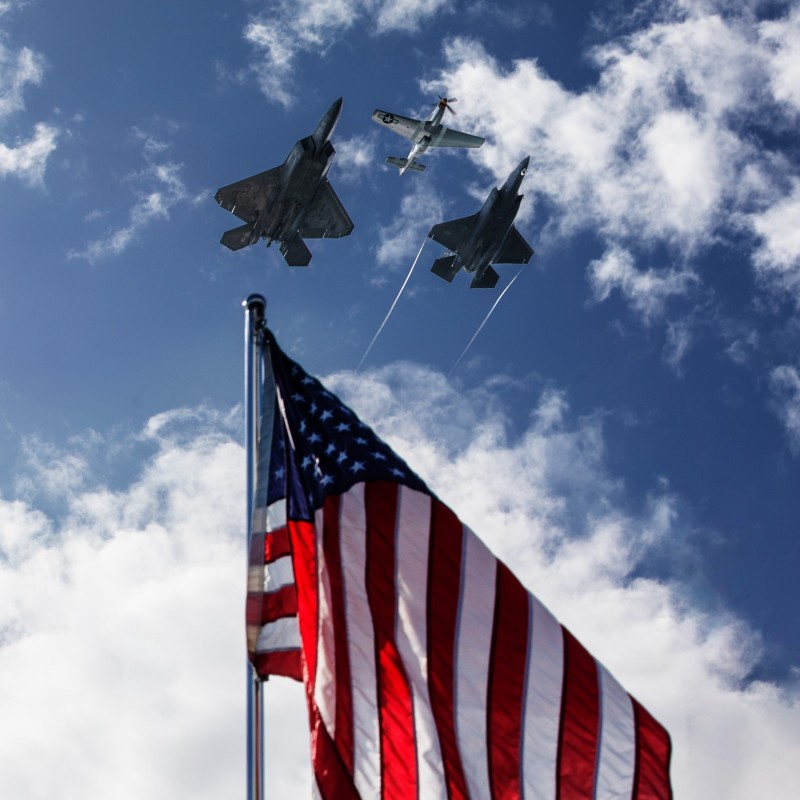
(276, 545)
(542, 719)
(324, 688)
(475, 622)
(653, 753)
(301, 535)
(398, 763)
(361, 643)
(285, 662)
(617, 753)
(343, 707)
(280, 634)
(507, 685)
(443, 598)
(263, 608)
(413, 531)
(579, 723)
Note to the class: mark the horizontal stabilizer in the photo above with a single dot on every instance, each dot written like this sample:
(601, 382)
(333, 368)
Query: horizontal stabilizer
(296, 252)
(401, 163)
(485, 280)
(240, 237)
(444, 268)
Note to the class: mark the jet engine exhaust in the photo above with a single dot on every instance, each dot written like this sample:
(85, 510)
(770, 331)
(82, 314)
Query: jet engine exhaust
(389, 314)
(485, 320)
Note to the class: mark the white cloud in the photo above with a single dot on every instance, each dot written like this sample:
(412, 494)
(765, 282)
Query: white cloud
(354, 156)
(26, 158)
(659, 149)
(399, 241)
(647, 291)
(777, 258)
(287, 28)
(785, 388)
(121, 617)
(161, 189)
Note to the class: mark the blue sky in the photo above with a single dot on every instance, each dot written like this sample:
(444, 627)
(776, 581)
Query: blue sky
(625, 430)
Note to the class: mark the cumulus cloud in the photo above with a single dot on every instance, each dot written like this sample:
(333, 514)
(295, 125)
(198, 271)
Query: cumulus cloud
(400, 239)
(659, 149)
(121, 617)
(785, 387)
(26, 158)
(354, 156)
(647, 291)
(159, 188)
(287, 28)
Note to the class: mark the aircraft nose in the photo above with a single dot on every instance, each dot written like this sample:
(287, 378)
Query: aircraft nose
(523, 165)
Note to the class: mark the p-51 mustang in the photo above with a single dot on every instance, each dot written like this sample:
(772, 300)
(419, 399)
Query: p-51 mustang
(424, 134)
(487, 237)
(292, 201)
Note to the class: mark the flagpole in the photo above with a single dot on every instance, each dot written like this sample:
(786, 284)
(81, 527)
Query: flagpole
(255, 308)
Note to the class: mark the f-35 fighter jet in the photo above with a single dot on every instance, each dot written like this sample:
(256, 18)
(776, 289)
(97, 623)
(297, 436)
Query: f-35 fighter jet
(424, 134)
(487, 237)
(292, 201)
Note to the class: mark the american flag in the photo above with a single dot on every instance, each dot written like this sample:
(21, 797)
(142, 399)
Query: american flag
(430, 671)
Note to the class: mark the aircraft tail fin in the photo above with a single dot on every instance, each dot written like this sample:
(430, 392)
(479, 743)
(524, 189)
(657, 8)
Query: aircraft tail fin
(295, 251)
(443, 267)
(486, 280)
(237, 238)
(402, 164)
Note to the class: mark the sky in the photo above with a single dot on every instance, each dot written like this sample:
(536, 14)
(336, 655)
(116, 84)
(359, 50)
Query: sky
(624, 430)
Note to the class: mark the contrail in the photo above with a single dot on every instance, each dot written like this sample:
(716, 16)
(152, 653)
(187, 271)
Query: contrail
(480, 327)
(389, 314)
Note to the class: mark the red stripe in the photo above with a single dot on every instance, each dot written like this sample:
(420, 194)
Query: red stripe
(577, 755)
(507, 685)
(398, 751)
(276, 545)
(283, 662)
(653, 752)
(305, 577)
(444, 579)
(343, 732)
(267, 607)
(334, 780)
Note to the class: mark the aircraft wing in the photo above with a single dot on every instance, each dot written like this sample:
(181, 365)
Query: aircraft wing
(326, 217)
(515, 249)
(454, 234)
(249, 197)
(450, 138)
(405, 126)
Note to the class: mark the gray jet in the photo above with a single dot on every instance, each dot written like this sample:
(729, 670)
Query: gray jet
(486, 237)
(424, 134)
(292, 201)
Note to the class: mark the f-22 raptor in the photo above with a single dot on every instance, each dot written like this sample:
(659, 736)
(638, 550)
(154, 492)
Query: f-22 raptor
(424, 134)
(487, 237)
(292, 201)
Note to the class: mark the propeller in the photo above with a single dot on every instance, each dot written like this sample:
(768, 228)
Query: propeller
(444, 102)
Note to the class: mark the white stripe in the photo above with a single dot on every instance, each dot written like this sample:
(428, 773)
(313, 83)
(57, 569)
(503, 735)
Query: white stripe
(540, 726)
(282, 634)
(413, 528)
(325, 679)
(360, 645)
(278, 573)
(276, 515)
(617, 751)
(473, 652)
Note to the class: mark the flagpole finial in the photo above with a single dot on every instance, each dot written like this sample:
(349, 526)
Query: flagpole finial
(256, 304)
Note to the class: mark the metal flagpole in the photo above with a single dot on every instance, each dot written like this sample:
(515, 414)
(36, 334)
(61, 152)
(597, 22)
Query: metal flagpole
(255, 308)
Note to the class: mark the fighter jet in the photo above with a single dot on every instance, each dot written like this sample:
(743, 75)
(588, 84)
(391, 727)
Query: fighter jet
(487, 237)
(292, 201)
(424, 134)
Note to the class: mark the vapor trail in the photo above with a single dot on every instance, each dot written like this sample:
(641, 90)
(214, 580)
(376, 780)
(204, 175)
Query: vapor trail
(480, 327)
(389, 314)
